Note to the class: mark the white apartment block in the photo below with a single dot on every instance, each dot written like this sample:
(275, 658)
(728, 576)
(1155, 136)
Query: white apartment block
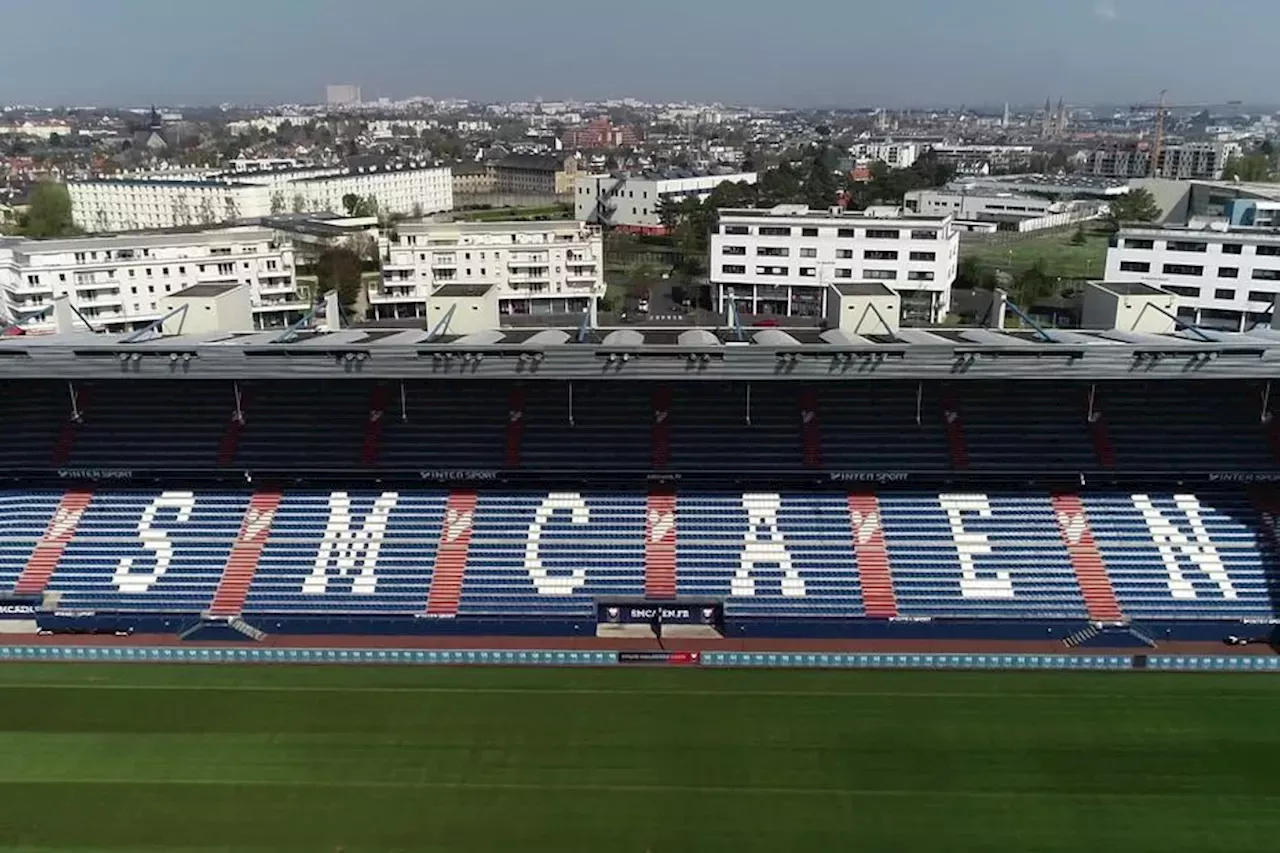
(157, 201)
(781, 261)
(537, 267)
(896, 155)
(630, 201)
(1225, 278)
(977, 205)
(118, 283)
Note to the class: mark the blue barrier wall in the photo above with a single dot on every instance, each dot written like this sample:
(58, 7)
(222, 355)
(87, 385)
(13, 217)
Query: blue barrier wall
(1020, 630)
(553, 657)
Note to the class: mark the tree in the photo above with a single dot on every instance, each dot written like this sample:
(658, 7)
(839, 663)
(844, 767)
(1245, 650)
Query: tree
(418, 210)
(299, 203)
(1137, 205)
(339, 269)
(49, 213)
(277, 202)
(360, 205)
(1079, 238)
(1255, 168)
(973, 274)
(820, 185)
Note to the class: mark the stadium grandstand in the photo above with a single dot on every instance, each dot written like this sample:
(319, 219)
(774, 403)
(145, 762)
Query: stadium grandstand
(968, 483)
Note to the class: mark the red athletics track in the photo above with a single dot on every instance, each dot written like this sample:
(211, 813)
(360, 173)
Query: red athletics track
(1043, 647)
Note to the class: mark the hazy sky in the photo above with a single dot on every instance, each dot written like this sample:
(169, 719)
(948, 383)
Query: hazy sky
(799, 52)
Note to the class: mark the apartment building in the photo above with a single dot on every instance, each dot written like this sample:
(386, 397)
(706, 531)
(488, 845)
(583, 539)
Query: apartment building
(630, 201)
(157, 200)
(782, 261)
(538, 268)
(1226, 278)
(1179, 161)
(894, 154)
(117, 283)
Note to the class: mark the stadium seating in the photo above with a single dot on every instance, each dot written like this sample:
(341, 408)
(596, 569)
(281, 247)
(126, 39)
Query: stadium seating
(554, 554)
(1009, 427)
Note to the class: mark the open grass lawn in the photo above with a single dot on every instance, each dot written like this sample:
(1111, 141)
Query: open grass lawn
(1061, 258)
(149, 758)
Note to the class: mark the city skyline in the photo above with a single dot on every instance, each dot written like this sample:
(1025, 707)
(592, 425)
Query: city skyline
(989, 51)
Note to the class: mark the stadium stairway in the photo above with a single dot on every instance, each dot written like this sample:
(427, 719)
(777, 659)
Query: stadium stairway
(1091, 572)
(660, 545)
(515, 425)
(661, 437)
(229, 447)
(874, 571)
(447, 578)
(1103, 448)
(70, 429)
(246, 554)
(48, 551)
(811, 433)
(378, 400)
(954, 425)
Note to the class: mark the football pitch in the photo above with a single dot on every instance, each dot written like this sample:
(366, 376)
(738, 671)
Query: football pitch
(135, 758)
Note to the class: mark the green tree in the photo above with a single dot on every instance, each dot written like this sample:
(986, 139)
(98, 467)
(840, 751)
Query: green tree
(277, 202)
(1079, 238)
(1032, 284)
(1137, 205)
(1256, 168)
(973, 274)
(339, 269)
(49, 213)
(820, 184)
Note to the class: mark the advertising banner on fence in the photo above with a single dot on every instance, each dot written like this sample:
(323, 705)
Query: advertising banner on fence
(660, 613)
(672, 658)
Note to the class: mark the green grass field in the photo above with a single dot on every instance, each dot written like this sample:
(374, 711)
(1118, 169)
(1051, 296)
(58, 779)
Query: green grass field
(1062, 259)
(149, 758)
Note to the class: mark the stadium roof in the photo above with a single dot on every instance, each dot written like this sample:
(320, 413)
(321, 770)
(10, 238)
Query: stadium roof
(647, 352)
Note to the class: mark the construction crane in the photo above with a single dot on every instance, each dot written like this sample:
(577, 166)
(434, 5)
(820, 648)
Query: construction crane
(1162, 108)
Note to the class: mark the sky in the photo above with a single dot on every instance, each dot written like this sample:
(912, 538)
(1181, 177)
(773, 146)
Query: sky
(903, 53)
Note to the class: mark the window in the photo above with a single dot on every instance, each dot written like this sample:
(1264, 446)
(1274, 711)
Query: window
(924, 256)
(871, 255)
(736, 229)
(844, 254)
(772, 251)
(882, 234)
(1187, 246)
(847, 234)
(880, 275)
(165, 271)
(774, 231)
(808, 272)
(148, 270)
(919, 275)
(1266, 275)
(771, 270)
(1261, 296)
(1224, 293)
(1182, 269)
(808, 253)
(734, 250)
(1228, 272)
(131, 273)
(1135, 266)
(1272, 251)
(924, 235)
(1232, 248)
(809, 232)
(1135, 243)
(33, 279)
(842, 272)
(733, 269)
(1182, 291)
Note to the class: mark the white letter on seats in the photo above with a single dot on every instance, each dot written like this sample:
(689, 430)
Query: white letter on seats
(764, 545)
(351, 553)
(546, 583)
(154, 540)
(969, 545)
(1171, 542)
